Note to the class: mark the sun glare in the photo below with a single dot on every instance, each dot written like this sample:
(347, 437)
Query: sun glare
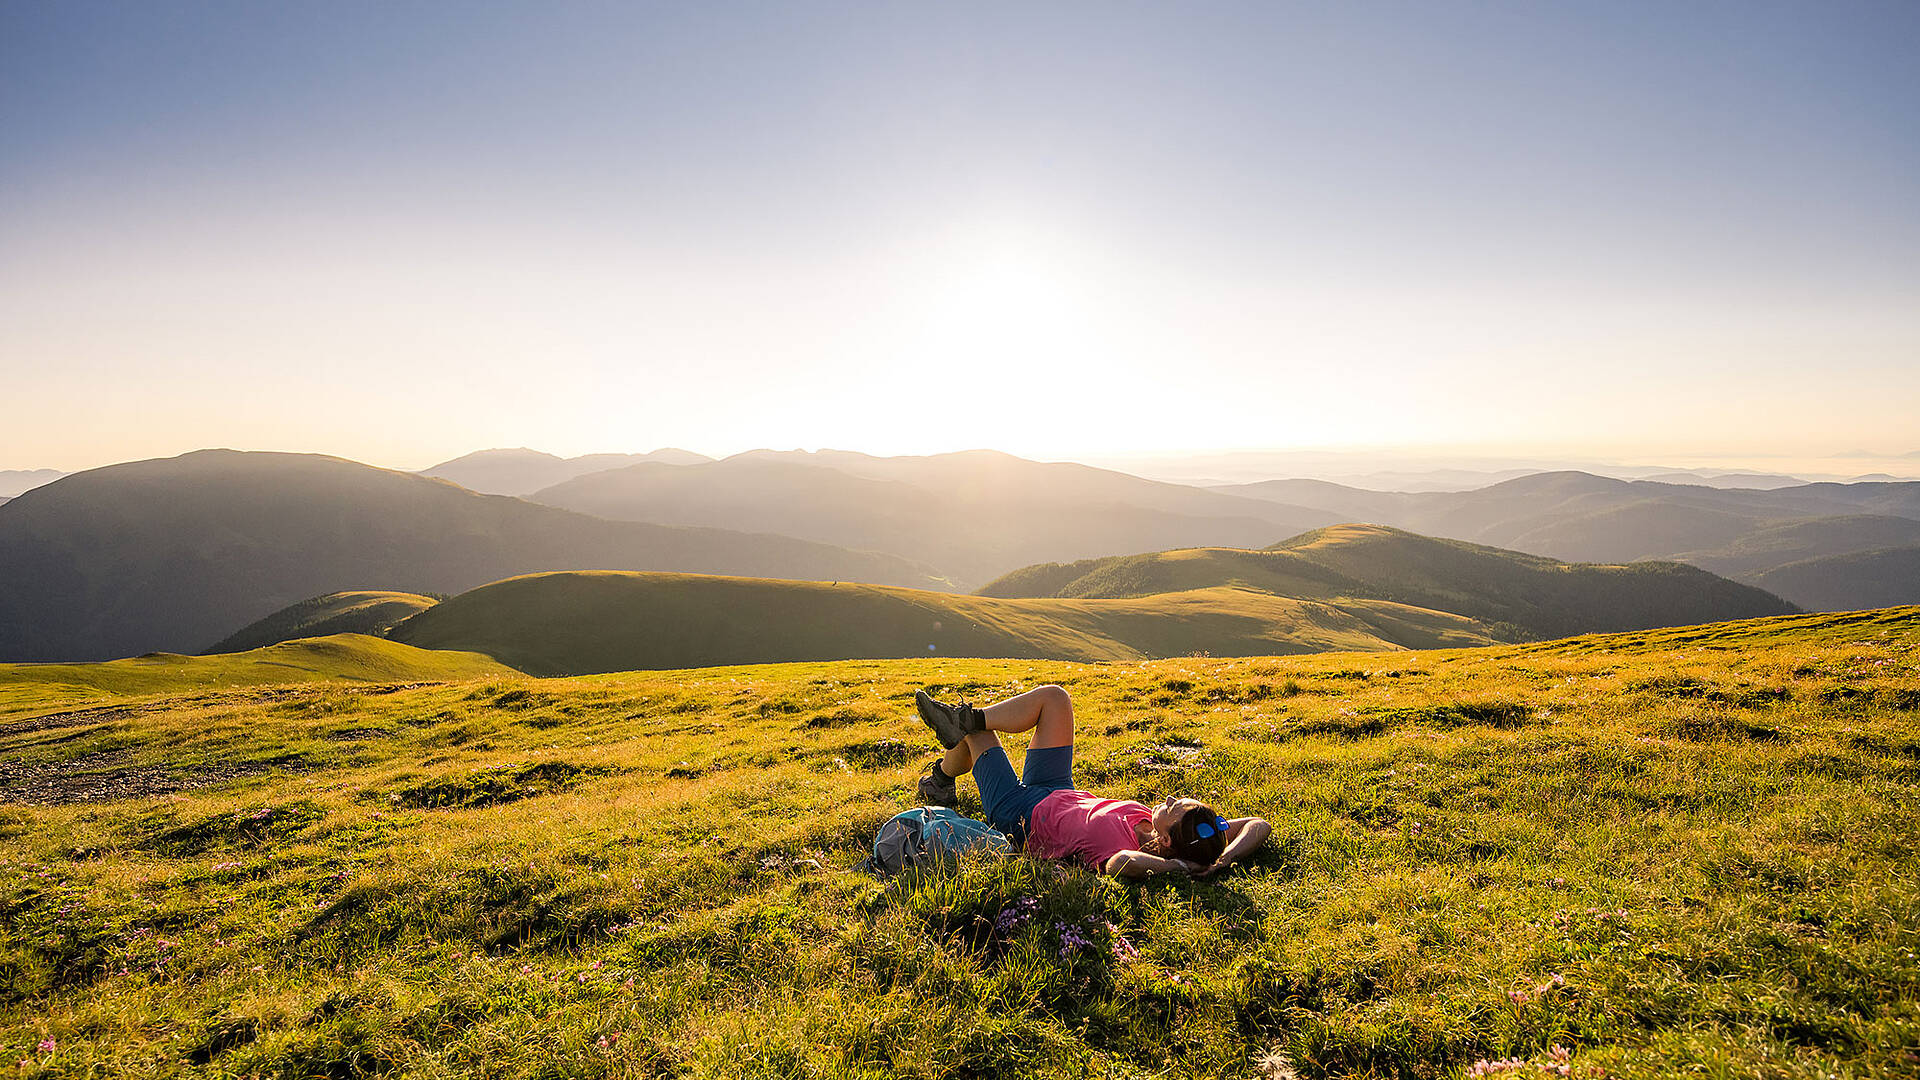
(1009, 305)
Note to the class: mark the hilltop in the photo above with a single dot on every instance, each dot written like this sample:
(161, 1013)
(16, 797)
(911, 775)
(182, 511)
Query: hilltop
(1527, 594)
(353, 658)
(358, 611)
(1665, 853)
(175, 553)
(582, 622)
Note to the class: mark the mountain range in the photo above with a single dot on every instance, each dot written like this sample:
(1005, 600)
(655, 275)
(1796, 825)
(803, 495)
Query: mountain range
(1745, 534)
(975, 515)
(522, 471)
(19, 481)
(175, 553)
(1350, 588)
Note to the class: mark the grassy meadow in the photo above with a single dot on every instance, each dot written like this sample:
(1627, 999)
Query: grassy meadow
(1684, 851)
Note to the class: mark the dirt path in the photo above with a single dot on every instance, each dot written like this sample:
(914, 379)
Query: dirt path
(96, 715)
(104, 776)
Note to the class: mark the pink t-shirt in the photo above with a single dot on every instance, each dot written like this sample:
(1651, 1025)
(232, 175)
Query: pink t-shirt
(1076, 825)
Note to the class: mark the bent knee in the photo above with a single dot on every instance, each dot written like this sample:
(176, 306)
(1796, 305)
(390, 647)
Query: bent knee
(1054, 696)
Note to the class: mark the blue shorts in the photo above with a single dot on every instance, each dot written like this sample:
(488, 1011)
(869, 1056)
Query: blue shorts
(1010, 802)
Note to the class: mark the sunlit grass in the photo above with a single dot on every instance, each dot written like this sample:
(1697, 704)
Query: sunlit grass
(1681, 851)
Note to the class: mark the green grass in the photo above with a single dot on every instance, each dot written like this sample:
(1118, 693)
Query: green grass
(586, 622)
(1682, 852)
(339, 657)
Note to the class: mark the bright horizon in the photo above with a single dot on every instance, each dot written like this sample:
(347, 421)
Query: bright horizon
(1623, 233)
(1423, 466)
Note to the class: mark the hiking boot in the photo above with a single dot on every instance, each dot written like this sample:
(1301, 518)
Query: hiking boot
(937, 788)
(951, 723)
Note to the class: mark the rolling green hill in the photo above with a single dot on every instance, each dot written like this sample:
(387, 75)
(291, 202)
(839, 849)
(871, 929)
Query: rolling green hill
(352, 612)
(339, 657)
(573, 623)
(1531, 595)
(174, 553)
(971, 515)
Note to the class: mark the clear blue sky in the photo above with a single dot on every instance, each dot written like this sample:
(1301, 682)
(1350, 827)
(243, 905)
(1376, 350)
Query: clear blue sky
(401, 231)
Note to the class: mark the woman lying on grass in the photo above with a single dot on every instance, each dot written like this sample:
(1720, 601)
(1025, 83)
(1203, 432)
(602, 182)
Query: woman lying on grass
(1115, 836)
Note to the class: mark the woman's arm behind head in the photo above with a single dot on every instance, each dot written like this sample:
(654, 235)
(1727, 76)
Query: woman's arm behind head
(1244, 837)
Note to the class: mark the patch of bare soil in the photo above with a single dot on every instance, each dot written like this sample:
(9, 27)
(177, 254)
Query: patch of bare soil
(98, 715)
(102, 777)
(102, 714)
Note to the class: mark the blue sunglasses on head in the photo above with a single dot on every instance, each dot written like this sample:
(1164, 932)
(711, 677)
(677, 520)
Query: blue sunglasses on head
(1209, 828)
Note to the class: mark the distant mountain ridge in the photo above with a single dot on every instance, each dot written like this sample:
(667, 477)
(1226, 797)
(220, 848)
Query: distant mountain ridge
(1881, 577)
(1585, 518)
(1739, 524)
(20, 481)
(1531, 595)
(974, 514)
(173, 553)
(521, 471)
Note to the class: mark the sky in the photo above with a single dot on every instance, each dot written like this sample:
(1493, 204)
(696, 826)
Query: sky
(399, 232)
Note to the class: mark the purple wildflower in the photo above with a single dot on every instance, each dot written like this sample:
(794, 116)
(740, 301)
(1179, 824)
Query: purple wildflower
(1071, 939)
(1016, 914)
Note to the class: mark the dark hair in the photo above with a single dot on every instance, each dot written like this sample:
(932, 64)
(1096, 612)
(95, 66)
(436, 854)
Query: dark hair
(1188, 844)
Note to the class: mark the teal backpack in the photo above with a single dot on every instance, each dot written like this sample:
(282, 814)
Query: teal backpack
(927, 835)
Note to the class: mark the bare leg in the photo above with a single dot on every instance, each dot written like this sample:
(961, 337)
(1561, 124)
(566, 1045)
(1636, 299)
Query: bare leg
(1047, 711)
(959, 760)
